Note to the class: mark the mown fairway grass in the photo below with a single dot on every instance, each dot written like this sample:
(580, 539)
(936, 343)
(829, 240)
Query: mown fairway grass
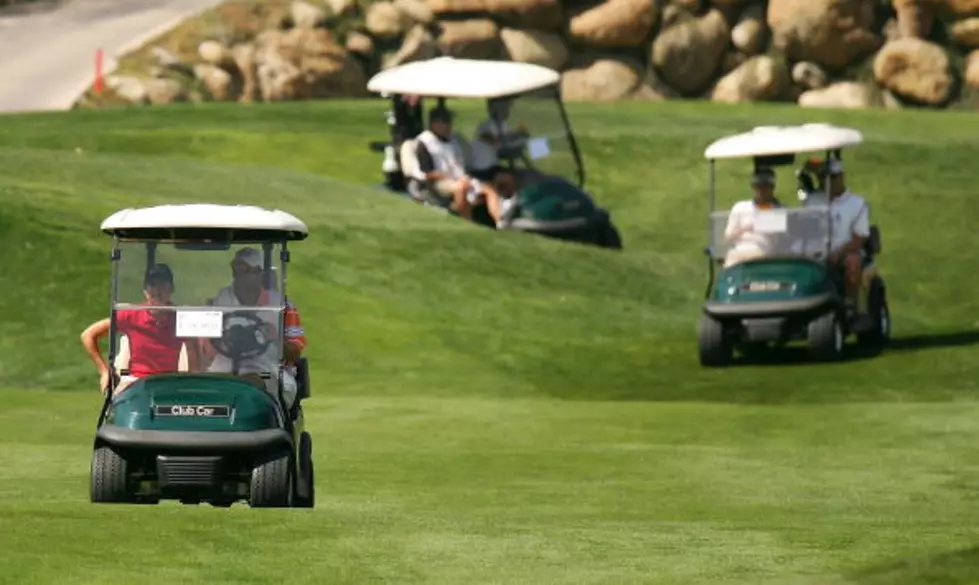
(501, 408)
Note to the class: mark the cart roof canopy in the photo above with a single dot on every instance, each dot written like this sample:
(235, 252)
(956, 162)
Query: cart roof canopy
(462, 78)
(775, 140)
(205, 221)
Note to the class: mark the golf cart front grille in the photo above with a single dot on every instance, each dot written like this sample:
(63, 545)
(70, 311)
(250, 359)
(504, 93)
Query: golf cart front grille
(177, 472)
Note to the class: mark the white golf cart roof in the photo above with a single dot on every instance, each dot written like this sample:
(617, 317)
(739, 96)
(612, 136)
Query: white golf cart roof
(144, 221)
(773, 140)
(462, 78)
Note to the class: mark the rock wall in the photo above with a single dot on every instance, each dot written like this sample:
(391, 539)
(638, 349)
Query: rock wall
(817, 53)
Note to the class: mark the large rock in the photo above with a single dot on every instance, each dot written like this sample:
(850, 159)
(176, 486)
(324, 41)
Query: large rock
(914, 17)
(848, 95)
(966, 32)
(162, 91)
(961, 7)
(418, 45)
(217, 81)
(359, 43)
(598, 78)
(971, 73)
(416, 11)
(471, 39)
(306, 15)
(215, 53)
(341, 7)
(614, 23)
(914, 69)
(832, 33)
(302, 64)
(535, 46)
(809, 75)
(688, 54)
(760, 78)
(130, 89)
(384, 20)
(749, 34)
(546, 14)
(244, 58)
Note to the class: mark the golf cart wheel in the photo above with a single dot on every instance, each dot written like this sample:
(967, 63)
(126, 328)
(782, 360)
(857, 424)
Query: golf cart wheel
(108, 477)
(609, 237)
(880, 315)
(715, 348)
(306, 486)
(826, 337)
(271, 485)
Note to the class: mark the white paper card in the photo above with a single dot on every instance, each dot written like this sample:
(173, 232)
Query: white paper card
(771, 221)
(538, 148)
(199, 323)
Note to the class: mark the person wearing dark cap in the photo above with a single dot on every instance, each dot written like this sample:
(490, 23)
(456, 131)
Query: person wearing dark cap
(740, 231)
(442, 163)
(154, 345)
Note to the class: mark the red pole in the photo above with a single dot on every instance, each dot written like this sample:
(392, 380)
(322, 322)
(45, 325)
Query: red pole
(98, 72)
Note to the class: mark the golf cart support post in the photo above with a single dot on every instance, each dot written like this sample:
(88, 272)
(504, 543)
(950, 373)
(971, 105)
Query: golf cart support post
(207, 430)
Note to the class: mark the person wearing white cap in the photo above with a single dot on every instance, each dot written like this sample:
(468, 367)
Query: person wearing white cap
(740, 232)
(247, 289)
(850, 228)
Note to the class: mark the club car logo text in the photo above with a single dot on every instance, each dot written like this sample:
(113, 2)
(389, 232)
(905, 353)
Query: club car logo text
(192, 410)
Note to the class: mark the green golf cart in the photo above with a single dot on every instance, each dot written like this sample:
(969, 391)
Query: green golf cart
(784, 290)
(222, 421)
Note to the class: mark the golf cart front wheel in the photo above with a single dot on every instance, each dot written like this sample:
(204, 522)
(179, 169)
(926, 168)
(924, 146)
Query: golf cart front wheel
(715, 348)
(271, 485)
(108, 477)
(826, 337)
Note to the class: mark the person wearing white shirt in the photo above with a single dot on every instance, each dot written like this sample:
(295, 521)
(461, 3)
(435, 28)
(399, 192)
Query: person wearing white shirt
(850, 228)
(441, 163)
(740, 233)
(490, 135)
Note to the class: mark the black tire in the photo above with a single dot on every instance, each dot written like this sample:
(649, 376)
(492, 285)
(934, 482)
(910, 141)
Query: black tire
(880, 316)
(271, 485)
(715, 349)
(826, 339)
(609, 237)
(108, 481)
(306, 486)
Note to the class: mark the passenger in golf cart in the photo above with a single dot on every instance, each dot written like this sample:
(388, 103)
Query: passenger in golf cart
(745, 242)
(494, 135)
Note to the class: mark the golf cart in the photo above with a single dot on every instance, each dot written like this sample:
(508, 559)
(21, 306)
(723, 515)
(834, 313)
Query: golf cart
(224, 422)
(784, 290)
(541, 152)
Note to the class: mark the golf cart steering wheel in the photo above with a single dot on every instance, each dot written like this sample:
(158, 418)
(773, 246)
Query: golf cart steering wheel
(242, 341)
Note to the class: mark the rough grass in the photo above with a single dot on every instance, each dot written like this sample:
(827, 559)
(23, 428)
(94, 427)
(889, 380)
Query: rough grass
(502, 408)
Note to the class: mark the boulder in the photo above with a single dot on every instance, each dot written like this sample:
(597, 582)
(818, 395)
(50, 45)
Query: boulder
(341, 7)
(914, 17)
(971, 73)
(217, 81)
(914, 69)
(966, 32)
(130, 89)
(832, 33)
(614, 23)
(535, 46)
(960, 7)
(418, 45)
(545, 14)
(306, 15)
(749, 34)
(809, 75)
(306, 63)
(384, 20)
(244, 58)
(162, 90)
(215, 53)
(478, 38)
(760, 78)
(598, 78)
(416, 11)
(842, 95)
(359, 43)
(688, 54)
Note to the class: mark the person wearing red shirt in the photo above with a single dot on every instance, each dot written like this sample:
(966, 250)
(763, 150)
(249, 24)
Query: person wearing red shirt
(154, 345)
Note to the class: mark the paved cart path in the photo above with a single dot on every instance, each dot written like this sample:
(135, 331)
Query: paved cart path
(47, 58)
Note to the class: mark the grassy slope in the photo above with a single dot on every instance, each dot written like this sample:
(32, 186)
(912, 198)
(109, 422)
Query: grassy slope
(503, 408)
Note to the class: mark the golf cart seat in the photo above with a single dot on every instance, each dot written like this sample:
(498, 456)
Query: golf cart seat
(409, 167)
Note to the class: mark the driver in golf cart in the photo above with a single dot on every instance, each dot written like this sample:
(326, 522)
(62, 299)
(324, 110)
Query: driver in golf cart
(745, 242)
(247, 289)
(491, 135)
(442, 164)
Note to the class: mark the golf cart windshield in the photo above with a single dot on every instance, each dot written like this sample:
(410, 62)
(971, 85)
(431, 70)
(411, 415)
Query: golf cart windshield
(777, 232)
(210, 307)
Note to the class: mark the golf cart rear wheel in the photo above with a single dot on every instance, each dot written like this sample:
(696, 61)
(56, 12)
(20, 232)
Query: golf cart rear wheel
(879, 314)
(271, 485)
(306, 486)
(826, 337)
(715, 348)
(108, 477)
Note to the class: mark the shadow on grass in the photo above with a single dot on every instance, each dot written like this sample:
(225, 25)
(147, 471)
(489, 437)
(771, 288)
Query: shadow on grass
(961, 566)
(933, 341)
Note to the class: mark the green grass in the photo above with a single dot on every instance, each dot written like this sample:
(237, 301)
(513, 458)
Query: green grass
(502, 408)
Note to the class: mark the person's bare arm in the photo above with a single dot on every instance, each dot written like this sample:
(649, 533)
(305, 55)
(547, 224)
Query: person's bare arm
(90, 341)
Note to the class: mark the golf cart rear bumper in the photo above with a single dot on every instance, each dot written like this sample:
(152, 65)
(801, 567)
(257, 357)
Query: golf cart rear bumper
(768, 308)
(194, 440)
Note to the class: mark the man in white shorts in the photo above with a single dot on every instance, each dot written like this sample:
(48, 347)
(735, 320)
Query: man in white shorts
(740, 230)
(247, 289)
(850, 230)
